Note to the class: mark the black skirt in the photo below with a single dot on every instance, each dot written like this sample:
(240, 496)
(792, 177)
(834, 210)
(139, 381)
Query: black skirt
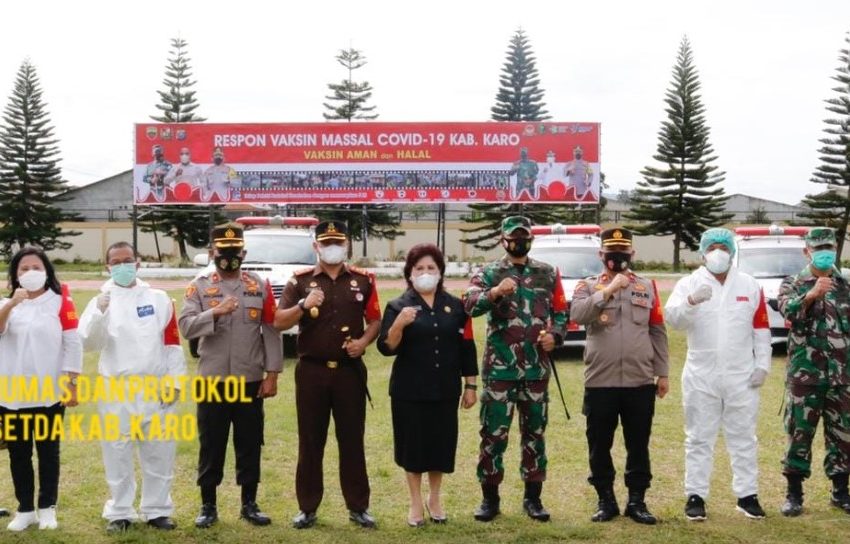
(425, 434)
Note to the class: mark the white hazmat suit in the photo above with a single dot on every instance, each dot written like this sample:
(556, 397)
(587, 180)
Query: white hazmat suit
(728, 339)
(137, 335)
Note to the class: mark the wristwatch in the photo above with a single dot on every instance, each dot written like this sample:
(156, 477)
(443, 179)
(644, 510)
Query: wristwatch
(470, 386)
(301, 305)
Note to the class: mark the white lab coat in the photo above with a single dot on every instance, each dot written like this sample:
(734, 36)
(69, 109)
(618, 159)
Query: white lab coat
(728, 338)
(136, 336)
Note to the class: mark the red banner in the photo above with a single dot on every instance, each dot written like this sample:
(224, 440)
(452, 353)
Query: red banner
(331, 163)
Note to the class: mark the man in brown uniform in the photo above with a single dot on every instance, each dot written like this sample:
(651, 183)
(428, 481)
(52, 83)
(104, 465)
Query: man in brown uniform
(232, 313)
(626, 351)
(330, 302)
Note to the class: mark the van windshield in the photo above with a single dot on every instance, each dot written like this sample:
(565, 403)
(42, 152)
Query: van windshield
(771, 262)
(276, 249)
(571, 262)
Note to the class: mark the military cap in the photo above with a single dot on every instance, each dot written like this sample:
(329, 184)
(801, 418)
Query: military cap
(514, 222)
(820, 236)
(331, 230)
(229, 235)
(616, 236)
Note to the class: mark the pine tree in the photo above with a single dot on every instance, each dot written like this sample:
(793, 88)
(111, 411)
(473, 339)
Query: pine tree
(519, 98)
(30, 177)
(832, 208)
(185, 224)
(682, 195)
(349, 100)
(350, 97)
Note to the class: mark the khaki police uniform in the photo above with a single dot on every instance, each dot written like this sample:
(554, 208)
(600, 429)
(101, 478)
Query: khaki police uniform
(626, 350)
(244, 344)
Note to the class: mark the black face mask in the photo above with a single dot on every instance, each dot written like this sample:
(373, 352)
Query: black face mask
(518, 247)
(617, 261)
(228, 259)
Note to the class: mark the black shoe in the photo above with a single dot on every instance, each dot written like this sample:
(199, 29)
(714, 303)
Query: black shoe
(251, 512)
(207, 517)
(606, 508)
(534, 509)
(304, 520)
(750, 507)
(695, 508)
(793, 505)
(164, 523)
(841, 500)
(489, 507)
(118, 525)
(4, 513)
(636, 509)
(363, 519)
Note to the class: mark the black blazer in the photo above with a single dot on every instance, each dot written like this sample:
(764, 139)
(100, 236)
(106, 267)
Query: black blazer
(434, 351)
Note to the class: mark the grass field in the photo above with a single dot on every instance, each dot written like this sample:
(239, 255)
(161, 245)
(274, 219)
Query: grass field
(566, 493)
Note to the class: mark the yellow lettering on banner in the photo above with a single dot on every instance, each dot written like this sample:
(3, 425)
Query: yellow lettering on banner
(154, 428)
(112, 430)
(168, 392)
(75, 427)
(57, 432)
(231, 389)
(26, 426)
(362, 154)
(408, 154)
(211, 392)
(9, 427)
(29, 391)
(151, 389)
(323, 155)
(136, 432)
(41, 428)
(95, 428)
(117, 391)
(188, 427)
(134, 386)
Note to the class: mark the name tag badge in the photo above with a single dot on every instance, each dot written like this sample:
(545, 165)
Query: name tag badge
(144, 311)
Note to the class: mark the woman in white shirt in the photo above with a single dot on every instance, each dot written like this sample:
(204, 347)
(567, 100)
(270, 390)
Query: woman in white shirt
(38, 341)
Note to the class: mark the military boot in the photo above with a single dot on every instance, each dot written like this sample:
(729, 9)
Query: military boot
(606, 508)
(793, 505)
(489, 508)
(840, 497)
(636, 508)
(532, 504)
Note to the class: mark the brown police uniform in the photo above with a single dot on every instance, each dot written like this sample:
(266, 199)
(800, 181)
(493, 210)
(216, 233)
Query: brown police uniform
(626, 350)
(243, 343)
(327, 381)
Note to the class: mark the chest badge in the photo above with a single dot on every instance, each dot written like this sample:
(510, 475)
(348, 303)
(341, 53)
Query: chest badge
(314, 312)
(214, 303)
(603, 318)
(359, 297)
(313, 284)
(354, 283)
(447, 309)
(212, 290)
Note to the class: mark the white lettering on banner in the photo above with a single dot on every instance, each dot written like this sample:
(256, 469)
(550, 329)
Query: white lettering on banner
(462, 139)
(410, 138)
(511, 140)
(239, 140)
(293, 140)
(347, 139)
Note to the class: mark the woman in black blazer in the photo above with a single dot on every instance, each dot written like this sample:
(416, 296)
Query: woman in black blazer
(428, 331)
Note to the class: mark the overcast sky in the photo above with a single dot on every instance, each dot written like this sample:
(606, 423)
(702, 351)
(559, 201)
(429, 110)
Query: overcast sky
(765, 68)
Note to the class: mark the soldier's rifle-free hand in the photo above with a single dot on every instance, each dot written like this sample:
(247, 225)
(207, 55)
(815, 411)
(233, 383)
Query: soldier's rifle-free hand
(228, 306)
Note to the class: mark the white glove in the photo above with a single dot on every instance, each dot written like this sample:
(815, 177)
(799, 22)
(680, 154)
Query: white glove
(702, 293)
(757, 377)
(103, 302)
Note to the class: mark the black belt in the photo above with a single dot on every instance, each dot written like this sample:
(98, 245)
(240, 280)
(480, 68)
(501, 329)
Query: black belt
(334, 364)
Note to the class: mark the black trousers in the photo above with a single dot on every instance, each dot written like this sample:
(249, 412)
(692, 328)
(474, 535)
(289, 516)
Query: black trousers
(20, 458)
(604, 408)
(214, 421)
(322, 392)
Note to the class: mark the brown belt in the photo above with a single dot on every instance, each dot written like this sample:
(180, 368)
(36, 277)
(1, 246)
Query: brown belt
(358, 363)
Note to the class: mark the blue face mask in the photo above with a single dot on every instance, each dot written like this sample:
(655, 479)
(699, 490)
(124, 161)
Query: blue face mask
(823, 259)
(123, 274)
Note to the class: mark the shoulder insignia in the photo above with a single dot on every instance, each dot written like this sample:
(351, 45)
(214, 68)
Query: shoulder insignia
(214, 277)
(190, 290)
(358, 270)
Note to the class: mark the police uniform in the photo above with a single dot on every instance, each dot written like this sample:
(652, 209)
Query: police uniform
(244, 344)
(218, 178)
(817, 381)
(515, 369)
(626, 350)
(328, 381)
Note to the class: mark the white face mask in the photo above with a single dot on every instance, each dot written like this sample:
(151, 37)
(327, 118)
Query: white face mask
(33, 280)
(425, 283)
(333, 254)
(718, 261)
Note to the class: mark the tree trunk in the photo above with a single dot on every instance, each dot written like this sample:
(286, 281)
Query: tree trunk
(676, 252)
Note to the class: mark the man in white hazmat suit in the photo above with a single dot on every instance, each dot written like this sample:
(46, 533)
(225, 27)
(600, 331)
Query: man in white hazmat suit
(724, 314)
(135, 329)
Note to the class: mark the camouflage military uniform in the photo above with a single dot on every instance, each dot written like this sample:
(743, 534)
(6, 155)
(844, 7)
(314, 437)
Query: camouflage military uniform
(818, 378)
(515, 369)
